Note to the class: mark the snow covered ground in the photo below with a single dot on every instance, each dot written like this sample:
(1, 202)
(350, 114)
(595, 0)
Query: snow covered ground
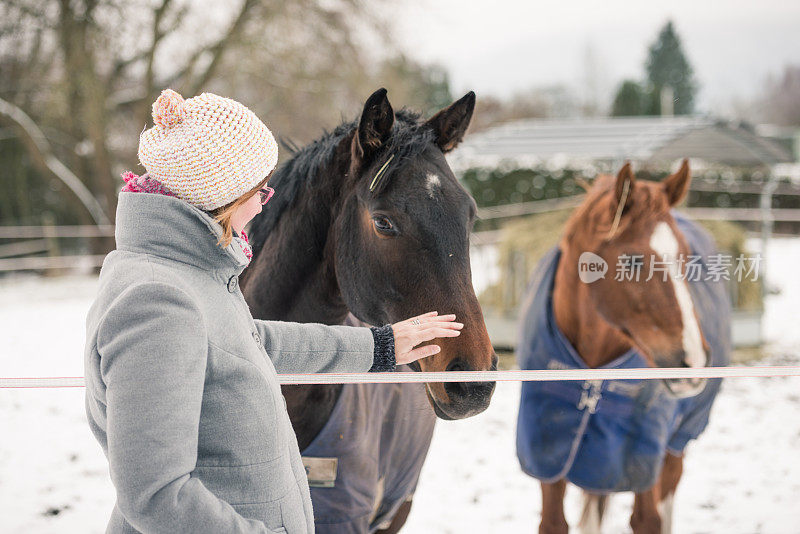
(741, 476)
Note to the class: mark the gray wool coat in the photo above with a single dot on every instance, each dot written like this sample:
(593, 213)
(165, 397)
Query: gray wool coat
(181, 385)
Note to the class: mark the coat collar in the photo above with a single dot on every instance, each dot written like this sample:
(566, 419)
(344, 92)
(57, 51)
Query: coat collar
(171, 228)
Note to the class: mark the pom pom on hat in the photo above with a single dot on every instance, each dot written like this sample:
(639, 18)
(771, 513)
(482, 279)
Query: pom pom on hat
(208, 150)
(168, 109)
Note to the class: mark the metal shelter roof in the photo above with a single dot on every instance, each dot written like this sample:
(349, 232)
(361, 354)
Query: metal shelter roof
(613, 139)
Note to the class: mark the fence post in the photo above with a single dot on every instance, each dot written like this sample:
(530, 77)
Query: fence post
(53, 250)
(767, 223)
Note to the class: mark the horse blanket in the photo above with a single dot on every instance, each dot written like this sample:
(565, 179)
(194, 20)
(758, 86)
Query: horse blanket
(378, 457)
(611, 435)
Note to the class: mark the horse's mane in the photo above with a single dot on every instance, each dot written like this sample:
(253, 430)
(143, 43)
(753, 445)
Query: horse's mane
(596, 213)
(407, 141)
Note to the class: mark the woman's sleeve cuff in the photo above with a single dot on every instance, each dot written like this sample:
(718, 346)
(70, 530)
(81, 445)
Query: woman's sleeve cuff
(384, 358)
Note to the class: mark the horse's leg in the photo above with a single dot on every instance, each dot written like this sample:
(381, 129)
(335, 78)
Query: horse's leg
(553, 520)
(398, 520)
(645, 518)
(309, 408)
(670, 476)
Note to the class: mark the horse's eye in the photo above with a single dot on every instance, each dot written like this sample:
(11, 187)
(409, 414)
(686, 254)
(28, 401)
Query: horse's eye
(384, 225)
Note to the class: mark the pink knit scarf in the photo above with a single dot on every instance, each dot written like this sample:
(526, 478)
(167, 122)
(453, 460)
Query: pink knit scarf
(146, 184)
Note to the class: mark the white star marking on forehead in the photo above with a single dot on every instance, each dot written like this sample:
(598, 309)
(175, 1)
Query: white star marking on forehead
(431, 183)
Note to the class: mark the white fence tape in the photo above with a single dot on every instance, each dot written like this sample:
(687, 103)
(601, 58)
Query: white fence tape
(471, 376)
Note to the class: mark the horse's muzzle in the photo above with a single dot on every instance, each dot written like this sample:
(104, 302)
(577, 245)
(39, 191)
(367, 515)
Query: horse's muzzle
(466, 398)
(684, 387)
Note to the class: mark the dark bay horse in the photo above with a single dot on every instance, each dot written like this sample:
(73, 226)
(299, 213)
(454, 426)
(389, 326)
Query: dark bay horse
(369, 225)
(611, 436)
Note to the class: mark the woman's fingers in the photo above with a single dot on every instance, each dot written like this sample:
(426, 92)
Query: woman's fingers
(420, 318)
(436, 322)
(422, 328)
(448, 317)
(432, 316)
(433, 333)
(426, 318)
(449, 328)
(441, 324)
(405, 343)
(418, 353)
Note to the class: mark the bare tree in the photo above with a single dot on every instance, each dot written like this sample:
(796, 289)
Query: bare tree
(780, 103)
(87, 71)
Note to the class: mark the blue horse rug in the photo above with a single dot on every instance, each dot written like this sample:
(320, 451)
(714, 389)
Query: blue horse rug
(611, 435)
(374, 445)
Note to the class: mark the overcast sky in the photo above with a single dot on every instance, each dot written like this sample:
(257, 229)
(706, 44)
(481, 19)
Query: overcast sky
(503, 46)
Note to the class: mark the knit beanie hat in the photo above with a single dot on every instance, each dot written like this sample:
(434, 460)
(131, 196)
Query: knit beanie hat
(207, 150)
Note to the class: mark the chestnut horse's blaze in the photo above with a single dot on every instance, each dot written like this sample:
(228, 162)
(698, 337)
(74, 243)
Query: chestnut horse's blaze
(611, 436)
(369, 224)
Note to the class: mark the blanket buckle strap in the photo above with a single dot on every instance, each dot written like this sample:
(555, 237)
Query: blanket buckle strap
(590, 395)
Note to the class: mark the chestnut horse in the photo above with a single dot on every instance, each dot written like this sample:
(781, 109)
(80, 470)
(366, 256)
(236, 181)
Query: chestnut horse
(369, 224)
(618, 435)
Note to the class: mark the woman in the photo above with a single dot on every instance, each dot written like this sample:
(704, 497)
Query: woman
(182, 391)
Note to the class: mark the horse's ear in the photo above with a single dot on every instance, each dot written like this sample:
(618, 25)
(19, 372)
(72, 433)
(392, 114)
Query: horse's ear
(676, 185)
(624, 176)
(374, 127)
(450, 124)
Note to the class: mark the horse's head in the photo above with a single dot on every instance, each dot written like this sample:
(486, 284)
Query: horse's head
(645, 296)
(401, 239)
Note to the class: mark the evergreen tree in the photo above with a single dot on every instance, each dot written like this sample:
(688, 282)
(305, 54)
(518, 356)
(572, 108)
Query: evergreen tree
(667, 66)
(629, 101)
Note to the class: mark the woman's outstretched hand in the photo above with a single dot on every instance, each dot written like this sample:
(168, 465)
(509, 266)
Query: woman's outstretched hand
(411, 332)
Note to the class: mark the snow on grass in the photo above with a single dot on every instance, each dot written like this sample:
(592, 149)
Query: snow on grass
(741, 476)
(53, 475)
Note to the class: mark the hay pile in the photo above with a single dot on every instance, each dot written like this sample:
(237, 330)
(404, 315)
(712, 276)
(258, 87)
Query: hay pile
(524, 241)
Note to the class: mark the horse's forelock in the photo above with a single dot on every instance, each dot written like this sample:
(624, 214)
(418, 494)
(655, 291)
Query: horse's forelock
(408, 140)
(597, 211)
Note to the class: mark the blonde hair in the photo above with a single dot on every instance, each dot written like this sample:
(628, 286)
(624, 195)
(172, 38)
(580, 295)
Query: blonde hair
(224, 214)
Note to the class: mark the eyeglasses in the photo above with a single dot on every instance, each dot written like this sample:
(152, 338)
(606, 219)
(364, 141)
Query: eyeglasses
(266, 194)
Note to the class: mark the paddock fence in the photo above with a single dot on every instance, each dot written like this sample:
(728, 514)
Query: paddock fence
(588, 376)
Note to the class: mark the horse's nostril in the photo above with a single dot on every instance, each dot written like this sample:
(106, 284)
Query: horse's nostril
(470, 392)
(676, 358)
(459, 364)
(456, 365)
(456, 390)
